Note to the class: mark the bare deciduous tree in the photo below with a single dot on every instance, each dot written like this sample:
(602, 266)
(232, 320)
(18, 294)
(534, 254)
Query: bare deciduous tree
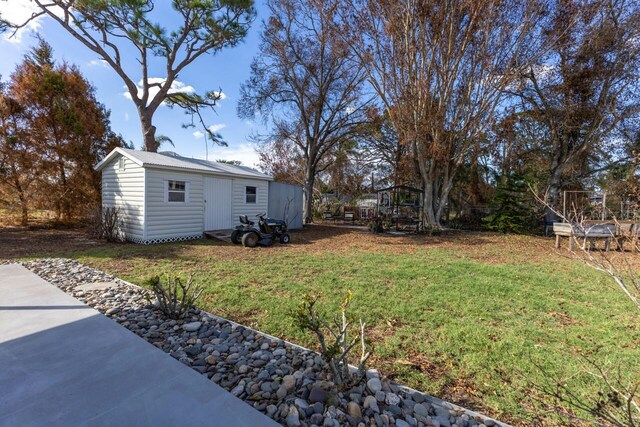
(439, 69)
(306, 81)
(585, 86)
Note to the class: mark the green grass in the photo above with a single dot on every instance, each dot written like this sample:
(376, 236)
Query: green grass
(441, 320)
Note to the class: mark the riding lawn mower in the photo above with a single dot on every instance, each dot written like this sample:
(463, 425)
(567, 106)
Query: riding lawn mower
(263, 234)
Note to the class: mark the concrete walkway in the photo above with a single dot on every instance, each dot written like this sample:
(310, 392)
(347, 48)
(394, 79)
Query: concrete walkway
(63, 363)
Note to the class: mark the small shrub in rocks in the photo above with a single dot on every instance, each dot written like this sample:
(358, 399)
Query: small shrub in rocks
(335, 344)
(174, 297)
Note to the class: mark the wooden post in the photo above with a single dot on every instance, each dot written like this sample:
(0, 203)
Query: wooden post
(557, 241)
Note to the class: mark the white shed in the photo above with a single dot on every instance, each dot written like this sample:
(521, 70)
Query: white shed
(164, 197)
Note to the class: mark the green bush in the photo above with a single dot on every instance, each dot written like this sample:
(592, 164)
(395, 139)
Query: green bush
(514, 211)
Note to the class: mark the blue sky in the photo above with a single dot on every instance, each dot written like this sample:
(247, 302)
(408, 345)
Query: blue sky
(226, 70)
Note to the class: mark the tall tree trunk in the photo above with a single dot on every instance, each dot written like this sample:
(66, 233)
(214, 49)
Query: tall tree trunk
(25, 213)
(427, 172)
(65, 205)
(429, 214)
(148, 129)
(554, 188)
(24, 207)
(437, 182)
(22, 196)
(307, 195)
(443, 198)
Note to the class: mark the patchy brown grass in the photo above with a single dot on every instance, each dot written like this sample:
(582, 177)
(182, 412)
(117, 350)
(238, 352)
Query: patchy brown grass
(22, 242)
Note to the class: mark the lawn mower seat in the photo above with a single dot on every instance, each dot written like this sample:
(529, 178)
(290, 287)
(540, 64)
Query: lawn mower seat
(245, 220)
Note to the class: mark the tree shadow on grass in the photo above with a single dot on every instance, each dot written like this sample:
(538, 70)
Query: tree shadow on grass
(74, 243)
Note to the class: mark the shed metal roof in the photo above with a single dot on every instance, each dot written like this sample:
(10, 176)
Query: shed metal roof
(170, 160)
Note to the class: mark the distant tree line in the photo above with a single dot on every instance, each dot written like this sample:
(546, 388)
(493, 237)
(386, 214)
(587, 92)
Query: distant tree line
(469, 100)
(52, 132)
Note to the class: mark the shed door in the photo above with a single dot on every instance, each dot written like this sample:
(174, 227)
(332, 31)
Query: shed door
(218, 198)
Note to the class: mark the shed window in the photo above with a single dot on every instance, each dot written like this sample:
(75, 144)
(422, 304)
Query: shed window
(251, 194)
(121, 163)
(176, 191)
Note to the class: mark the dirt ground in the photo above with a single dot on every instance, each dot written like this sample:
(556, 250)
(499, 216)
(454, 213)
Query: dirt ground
(24, 242)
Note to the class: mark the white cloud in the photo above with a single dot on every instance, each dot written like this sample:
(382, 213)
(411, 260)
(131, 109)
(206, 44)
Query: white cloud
(545, 71)
(126, 116)
(217, 127)
(213, 128)
(98, 63)
(17, 12)
(176, 87)
(246, 153)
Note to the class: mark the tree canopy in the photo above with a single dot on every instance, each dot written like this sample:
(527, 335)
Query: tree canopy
(114, 28)
(52, 132)
(308, 84)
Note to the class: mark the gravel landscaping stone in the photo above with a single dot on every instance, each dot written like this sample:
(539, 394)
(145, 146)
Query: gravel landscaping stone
(372, 403)
(392, 399)
(288, 383)
(317, 394)
(192, 327)
(420, 410)
(353, 409)
(374, 385)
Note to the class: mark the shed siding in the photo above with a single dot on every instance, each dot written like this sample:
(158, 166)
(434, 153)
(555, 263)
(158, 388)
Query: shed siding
(173, 220)
(124, 189)
(240, 205)
(285, 202)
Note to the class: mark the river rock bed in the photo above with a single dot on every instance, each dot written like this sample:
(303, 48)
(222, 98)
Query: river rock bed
(288, 383)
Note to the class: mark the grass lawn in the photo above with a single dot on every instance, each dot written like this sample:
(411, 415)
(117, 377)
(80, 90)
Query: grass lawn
(464, 316)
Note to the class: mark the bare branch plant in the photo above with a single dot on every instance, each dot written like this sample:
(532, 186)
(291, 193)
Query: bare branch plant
(334, 340)
(616, 402)
(174, 297)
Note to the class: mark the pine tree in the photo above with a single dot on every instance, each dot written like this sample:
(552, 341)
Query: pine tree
(513, 212)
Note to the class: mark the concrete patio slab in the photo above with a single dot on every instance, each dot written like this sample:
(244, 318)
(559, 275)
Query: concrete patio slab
(63, 363)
